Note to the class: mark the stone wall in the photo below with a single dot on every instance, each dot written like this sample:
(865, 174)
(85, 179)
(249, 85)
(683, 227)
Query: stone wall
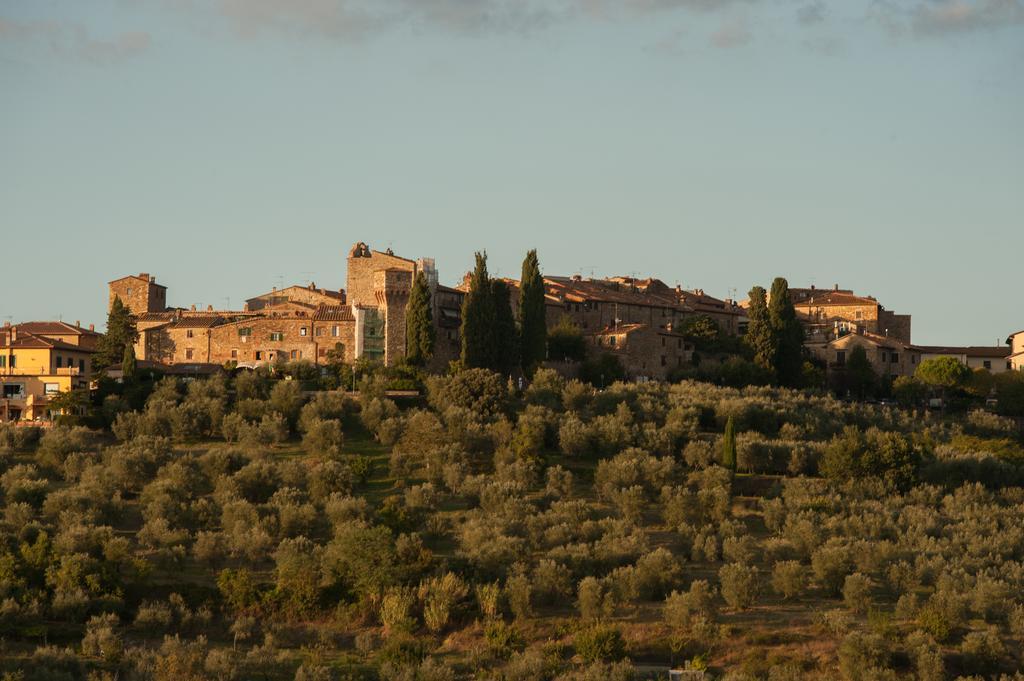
(140, 294)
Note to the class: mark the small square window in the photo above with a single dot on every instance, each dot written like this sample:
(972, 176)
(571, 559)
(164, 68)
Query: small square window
(188, 353)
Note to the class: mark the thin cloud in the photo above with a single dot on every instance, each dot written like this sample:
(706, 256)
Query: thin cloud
(947, 17)
(813, 13)
(733, 33)
(69, 40)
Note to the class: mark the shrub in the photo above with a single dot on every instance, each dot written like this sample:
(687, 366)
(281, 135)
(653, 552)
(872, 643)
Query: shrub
(857, 592)
(683, 608)
(789, 578)
(600, 643)
(739, 585)
(862, 657)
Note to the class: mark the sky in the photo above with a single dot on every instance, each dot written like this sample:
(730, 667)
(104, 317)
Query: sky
(229, 146)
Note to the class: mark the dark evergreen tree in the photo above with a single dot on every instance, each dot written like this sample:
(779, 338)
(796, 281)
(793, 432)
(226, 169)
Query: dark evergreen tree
(788, 335)
(729, 446)
(860, 377)
(478, 318)
(759, 332)
(566, 342)
(128, 364)
(533, 328)
(505, 336)
(120, 334)
(419, 323)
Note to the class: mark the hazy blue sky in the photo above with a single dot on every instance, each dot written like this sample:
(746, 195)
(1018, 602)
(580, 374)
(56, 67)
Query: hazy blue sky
(229, 145)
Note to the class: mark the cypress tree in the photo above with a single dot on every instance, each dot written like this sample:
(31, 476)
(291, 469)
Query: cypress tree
(504, 334)
(478, 318)
(419, 323)
(788, 334)
(759, 333)
(128, 363)
(533, 328)
(120, 334)
(729, 446)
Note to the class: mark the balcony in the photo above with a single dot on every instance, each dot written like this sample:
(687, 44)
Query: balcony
(40, 370)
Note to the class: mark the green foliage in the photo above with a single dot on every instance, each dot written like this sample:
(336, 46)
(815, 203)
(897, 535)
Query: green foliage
(565, 342)
(600, 643)
(419, 323)
(860, 377)
(121, 333)
(702, 331)
(788, 334)
(856, 455)
(479, 317)
(942, 372)
(533, 330)
(603, 370)
(728, 457)
(504, 333)
(760, 336)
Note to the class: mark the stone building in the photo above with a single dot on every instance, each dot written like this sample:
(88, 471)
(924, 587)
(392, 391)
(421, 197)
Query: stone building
(310, 295)
(889, 357)
(645, 351)
(297, 322)
(829, 313)
(140, 293)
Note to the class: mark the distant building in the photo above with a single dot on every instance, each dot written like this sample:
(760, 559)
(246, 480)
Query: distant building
(993, 359)
(297, 322)
(34, 367)
(829, 313)
(888, 356)
(643, 350)
(1016, 356)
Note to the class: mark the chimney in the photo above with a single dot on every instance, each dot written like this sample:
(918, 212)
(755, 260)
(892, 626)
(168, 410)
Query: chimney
(836, 287)
(273, 290)
(78, 323)
(209, 308)
(193, 307)
(812, 287)
(144, 275)
(245, 308)
(92, 327)
(13, 333)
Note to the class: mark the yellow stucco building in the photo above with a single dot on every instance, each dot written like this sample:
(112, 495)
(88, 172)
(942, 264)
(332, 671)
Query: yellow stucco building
(35, 367)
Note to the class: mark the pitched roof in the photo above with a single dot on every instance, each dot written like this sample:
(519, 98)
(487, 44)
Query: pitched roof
(56, 328)
(204, 322)
(579, 290)
(967, 351)
(829, 298)
(333, 313)
(31, 341)
(138, 277)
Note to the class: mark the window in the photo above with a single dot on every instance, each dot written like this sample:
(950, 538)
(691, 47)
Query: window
(276, 336)
(14, 391)
(611, 341)
(302, 331)
(664, 360)
(296, 354)
(60, 361)
(987, 364)
(858, 314)
(234, 354)
(841, 357)
(3, 361)
(319, 331)
(883, 355)
(81, 365)
(335, 331)
(245, 331)
(1009, 365)
(188, 353)
(14, 361)
(51, 388)
(894, 357)
(259, 355)
(662, 341)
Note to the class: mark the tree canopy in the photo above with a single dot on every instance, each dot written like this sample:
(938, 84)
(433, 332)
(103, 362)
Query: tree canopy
(533, 330)
(419, 323)
(120, 333)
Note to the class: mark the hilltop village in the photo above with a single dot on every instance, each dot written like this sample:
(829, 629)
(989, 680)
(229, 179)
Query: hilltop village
(653, 331)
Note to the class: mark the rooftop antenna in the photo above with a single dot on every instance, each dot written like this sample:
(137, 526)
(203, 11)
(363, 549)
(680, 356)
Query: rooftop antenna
(227, 302)
(280, 281)
(308, 277)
